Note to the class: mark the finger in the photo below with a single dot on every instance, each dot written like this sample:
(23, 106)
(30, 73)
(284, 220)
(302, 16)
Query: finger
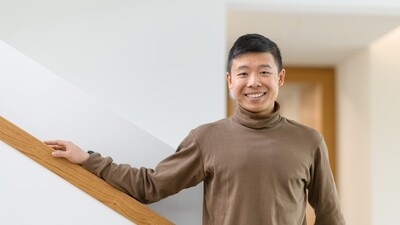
(54, 145)
(50, 142)
(57, 147)
(56, 142)
(59, 154)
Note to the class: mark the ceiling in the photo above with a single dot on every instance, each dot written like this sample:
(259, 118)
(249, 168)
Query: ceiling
(313, 38)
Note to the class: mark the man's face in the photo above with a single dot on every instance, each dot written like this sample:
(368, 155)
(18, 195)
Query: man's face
(254, 81)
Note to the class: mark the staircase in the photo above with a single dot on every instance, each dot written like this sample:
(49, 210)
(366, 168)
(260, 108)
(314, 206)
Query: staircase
(76, 175)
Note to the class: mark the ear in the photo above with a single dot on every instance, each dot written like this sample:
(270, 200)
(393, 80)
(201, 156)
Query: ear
(281, 77)
(229, 79)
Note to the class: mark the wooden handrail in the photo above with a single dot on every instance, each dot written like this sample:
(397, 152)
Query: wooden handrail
(76, 175)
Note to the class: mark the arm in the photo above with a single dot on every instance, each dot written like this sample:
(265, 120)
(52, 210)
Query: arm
(323, 196)
(181, 170)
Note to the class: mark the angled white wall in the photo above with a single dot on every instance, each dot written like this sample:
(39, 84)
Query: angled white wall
(31, 194)
(47, 106)
(128, 78)
(159, 64)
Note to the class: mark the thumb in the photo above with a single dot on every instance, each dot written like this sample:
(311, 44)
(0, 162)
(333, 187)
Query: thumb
(58, 154)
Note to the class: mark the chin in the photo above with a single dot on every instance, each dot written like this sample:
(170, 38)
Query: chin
(253, 109)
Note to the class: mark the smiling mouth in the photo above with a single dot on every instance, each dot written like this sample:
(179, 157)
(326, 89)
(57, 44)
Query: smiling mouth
(255, 95)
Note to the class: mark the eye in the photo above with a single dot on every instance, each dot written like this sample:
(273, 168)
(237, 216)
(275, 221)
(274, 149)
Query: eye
(242, 74)
(265, 73)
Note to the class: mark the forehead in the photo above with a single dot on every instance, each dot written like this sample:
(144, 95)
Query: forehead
(254, 59)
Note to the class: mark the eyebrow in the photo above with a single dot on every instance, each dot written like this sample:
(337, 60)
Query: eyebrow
(265, 65)
(260, 66)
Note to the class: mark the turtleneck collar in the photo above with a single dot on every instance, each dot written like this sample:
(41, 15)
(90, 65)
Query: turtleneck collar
(255, 120)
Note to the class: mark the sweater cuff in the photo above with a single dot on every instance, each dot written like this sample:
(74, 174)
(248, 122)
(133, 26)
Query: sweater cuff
(93, 162)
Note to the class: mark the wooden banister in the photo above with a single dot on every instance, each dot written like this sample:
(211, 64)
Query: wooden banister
(81, 178)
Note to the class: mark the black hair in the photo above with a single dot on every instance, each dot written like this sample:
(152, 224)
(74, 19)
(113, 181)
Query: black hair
(254, 43)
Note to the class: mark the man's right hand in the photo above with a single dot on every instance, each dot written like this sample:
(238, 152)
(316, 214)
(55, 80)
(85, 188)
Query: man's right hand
(68, 150)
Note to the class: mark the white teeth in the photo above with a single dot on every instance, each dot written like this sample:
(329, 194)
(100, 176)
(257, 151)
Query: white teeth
(255, 95)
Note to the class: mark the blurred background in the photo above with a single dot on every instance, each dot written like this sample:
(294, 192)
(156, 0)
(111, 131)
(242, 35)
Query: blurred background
(160, 65)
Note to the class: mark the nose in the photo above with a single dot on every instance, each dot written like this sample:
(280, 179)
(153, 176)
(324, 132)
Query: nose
(254, 81)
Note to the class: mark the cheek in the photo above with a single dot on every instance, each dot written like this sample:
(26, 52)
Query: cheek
(230, 83)
(274, 83)
(234, 84)
(235, 91)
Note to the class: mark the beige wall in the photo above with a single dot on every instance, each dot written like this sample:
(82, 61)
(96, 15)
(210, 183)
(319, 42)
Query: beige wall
(352, 137)
(367, 111)
(385, 110)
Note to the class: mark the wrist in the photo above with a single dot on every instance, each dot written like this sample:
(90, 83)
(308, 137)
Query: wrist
(86, 156)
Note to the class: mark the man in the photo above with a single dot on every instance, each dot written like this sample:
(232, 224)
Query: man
(256, 165)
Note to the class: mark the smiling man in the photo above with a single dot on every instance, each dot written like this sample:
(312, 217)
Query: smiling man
(257, 166)
(255, 78)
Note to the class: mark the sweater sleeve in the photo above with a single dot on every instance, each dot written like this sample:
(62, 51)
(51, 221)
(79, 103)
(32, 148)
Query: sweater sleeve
(181, 170)
(322, 195)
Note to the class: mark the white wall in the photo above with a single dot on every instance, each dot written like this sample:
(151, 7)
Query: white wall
(46, 106)
(385, 110)
(31, 194)
(158, 65)
(344, 6)
(368, 133)
(353, 137)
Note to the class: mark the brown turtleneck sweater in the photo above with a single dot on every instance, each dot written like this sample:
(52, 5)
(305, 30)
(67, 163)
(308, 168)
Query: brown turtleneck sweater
(255, 169)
